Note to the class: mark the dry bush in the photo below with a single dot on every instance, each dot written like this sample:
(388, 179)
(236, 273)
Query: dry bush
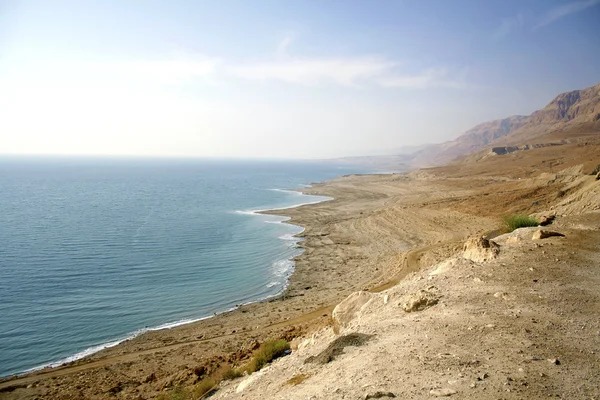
(266, 353)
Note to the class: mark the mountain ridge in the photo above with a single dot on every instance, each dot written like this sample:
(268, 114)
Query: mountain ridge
(575, 114)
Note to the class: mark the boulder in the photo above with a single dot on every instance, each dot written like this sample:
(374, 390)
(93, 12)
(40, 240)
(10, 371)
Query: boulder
(347, 310)
(420, 301)
(543, 234)
(480, 249)
(517, 236)
(547, 219)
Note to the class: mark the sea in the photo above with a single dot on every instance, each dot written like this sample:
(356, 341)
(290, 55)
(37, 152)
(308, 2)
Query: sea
(94, 251)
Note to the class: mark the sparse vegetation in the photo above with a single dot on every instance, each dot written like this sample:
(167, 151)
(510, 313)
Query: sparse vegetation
(266, 353)
(231, 373)
(178, 393)
(297, 379)
(204, 387)
(515, 221)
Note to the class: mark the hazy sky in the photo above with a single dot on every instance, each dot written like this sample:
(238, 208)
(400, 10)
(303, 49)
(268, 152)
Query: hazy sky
(302, 79)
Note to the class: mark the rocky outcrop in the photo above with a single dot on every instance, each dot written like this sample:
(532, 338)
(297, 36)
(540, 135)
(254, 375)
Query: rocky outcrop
(547, 219)
(543, 234)
(347, 310)
(516, 237)
(420, 300)
(500, 151)
(578, 104)
(480, 249)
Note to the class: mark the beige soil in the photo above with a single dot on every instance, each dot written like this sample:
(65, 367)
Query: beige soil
(376, 231)
(522, 326)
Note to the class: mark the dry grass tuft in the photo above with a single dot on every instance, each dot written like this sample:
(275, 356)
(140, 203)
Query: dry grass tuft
(231, 373)
(205, 387)
(297, 379)
(178, 393)
(266, 353)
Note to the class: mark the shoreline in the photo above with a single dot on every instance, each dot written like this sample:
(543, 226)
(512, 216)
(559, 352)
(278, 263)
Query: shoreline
(349, 245)
(94, 349)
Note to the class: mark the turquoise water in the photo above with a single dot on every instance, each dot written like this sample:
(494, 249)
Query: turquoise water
(94, 251)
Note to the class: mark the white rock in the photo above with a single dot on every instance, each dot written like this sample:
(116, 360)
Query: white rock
(246, 382)
(444, 266)
(442, 392)
(347, 310)
(480, 249)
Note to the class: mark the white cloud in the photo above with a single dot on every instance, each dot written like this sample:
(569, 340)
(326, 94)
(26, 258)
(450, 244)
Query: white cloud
(312, 71)
(559, 12)
(166, 71)
(169, 71)
(283, 45)
(508, 26)
(432, 77)
(349, 72)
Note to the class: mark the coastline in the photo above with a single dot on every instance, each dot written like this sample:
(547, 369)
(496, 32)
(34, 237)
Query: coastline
(93, 349)
(349, 244)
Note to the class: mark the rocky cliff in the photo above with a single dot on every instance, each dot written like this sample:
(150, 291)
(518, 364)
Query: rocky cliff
(575, 113)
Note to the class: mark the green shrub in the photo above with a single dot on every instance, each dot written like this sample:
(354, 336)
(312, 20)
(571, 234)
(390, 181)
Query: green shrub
(515, 221)
(266, 353)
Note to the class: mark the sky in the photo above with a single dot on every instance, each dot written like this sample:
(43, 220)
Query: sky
(280, 79)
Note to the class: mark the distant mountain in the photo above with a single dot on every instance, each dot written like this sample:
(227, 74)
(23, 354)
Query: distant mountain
(474, 139)
(570, 114)
(381, 163)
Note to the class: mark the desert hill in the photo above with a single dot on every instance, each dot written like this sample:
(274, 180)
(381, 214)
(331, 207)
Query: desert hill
(570, 116)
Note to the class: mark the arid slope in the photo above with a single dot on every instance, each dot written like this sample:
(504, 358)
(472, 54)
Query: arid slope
(570, 116)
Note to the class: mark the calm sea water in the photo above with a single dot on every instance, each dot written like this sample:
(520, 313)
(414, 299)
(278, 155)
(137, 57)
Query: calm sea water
(94, 251)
